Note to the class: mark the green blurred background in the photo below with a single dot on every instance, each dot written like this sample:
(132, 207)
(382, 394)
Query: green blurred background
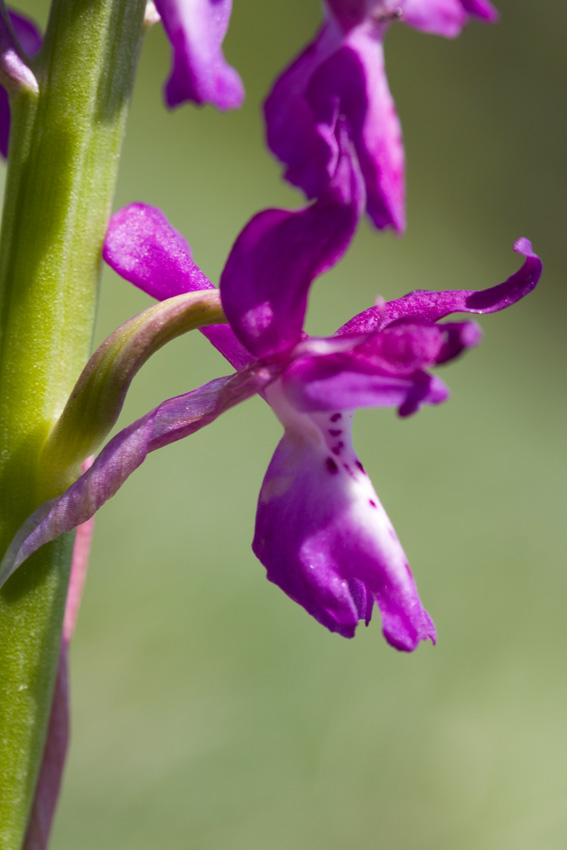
(211, 712)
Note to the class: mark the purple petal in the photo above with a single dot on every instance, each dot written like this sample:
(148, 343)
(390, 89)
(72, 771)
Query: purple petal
(292, 135)
(431, 306)
(349, 13)
(405, 346)
(328, 383)
(57, 739)
(445, 17)
(266, 280)
(325, 539)
(27, 32)
(196, 30)
(481, 9)
(345, 77)
(442, 17)
(459, 337)
(143, 247)
(170, 421)
(385, 369)
(352, 83)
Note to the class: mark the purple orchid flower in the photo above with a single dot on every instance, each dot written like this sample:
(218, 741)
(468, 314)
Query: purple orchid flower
(29, 38)
(196, 30)
(341, 75)
(321, 531)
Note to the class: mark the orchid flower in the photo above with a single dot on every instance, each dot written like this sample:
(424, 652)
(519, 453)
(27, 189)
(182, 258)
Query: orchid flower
(341, 74)
(321, 531)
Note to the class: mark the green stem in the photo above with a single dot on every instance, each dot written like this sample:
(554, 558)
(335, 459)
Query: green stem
(62, 170)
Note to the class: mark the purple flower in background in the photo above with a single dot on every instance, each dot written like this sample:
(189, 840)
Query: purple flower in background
(321, 531)
(196, 29)
(29, 38)
(340, 76)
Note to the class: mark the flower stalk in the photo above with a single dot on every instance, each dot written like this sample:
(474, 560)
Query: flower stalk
(64, 149)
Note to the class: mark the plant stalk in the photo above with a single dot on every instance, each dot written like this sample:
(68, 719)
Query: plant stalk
(64, 149)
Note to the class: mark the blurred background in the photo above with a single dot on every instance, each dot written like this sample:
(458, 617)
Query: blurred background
(209, 711)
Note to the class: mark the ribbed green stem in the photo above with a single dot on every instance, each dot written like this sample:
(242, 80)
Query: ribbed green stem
(61, 175)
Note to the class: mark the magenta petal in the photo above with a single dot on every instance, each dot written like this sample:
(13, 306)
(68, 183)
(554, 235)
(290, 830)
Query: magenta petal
(170, 421)
(196, 30)
(481, 9)
(353, 83)
(408, 345)
(27, 32)
(334, 382)
(442, 17)
(266, 280)
(143, 248)
(325, 539)
(351, 13)
(309, 155)
(338, 80)
(431, 306)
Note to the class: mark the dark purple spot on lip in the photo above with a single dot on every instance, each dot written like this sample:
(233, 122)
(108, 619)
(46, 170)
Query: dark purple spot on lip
(372, 503)
(335, 432)
(335, 417)
(336, 450)
(360, 466)
(331, 466)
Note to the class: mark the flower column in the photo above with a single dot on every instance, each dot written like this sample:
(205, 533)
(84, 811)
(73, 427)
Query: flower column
(66, 138)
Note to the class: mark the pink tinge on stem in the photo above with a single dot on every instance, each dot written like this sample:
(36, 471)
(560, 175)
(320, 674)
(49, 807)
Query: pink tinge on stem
(57, 739)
